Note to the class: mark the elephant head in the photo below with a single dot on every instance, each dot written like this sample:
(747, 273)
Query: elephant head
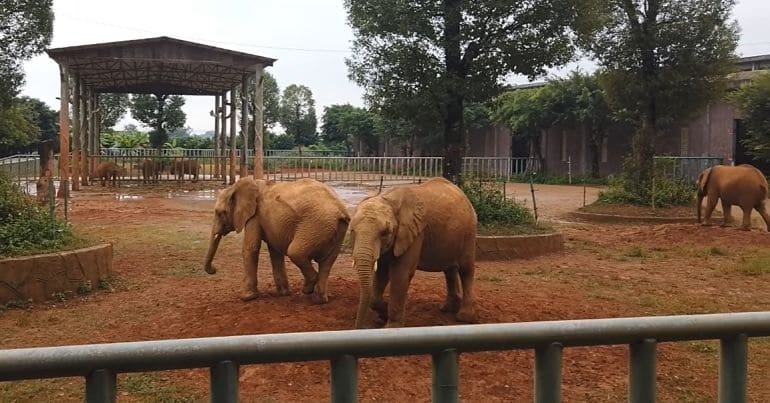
(703, 179)
(383, 224)
(233, 209)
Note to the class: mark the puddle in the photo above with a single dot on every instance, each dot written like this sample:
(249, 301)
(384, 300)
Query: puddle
(193, 195)
(351, 196)
(123, 197)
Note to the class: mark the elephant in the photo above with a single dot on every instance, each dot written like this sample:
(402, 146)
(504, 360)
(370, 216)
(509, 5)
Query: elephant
(303, 219)
(742, 185)
(151, 171)
(182, 167)
(430, 227)
(108, 170)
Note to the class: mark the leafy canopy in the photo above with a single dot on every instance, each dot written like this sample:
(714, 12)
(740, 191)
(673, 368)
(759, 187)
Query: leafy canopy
(345, 124)
(162, 113)
(753, 100)
(297, 115)
(112, 108)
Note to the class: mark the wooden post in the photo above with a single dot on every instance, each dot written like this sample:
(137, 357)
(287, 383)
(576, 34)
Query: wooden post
(64, 132)
(221, 138)
(76, 132)
(96, 130)
(88, 114)
(233, 133)
(244, 126)
(85, 136)
(258, 123)
(216, 136)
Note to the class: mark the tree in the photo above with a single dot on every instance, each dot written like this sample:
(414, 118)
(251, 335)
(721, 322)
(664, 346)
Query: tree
(26, 27)
(753, 100)
(345, 124)
(112, 108)
(270, 103)
(448, 52)
(298, 115)
(162, 113)
(47, 119)
(665, 60)
(18, 128)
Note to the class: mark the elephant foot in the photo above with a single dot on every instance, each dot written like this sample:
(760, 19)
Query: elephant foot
(283, 291)
(309, 286)
(724, 225)
(319, 299)
(705, 224)
(467, 316)
(381, 307)
(451, 306)
(249, 295)
(742, 228)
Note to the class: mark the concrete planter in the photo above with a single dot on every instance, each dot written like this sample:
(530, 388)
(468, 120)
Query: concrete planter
(39, 277)
(623, 219)
(517, 246)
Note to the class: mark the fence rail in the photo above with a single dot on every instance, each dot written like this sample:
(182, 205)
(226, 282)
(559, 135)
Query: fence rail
(99, 363)
(684, 168)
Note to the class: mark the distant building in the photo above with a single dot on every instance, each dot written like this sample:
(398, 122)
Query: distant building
(715, 133)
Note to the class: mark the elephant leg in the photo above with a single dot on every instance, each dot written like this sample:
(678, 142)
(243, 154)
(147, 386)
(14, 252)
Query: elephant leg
(401, 274)
(381, 278)
(452, 303)
(467, 312)
(302, 260)
(710, 205)
(727, 215)
(279, 272)
(762, 210)
(746, 225)
(252, 241)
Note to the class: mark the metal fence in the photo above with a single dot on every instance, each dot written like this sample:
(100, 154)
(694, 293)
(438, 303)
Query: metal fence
(99, 363)
(684, 168)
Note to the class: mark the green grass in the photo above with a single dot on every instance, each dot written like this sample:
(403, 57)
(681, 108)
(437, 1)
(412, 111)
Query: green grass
(754, 265)
(151, 387)
(514, 229)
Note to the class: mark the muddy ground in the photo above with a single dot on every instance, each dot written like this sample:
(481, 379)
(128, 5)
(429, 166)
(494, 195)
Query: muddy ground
(160, 292)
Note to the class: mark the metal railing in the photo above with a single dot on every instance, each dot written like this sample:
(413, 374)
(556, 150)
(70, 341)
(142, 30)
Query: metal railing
(684, 168)
(99, 363)
(209, 152)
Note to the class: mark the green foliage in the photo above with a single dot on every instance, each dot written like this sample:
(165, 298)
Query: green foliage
(297, 114)
(345, 124)
(492, 207)
(753, 100)
(162, 113)
(125, 139)
(282, 142)
(112, 108)
(26, 27)
(18, 127)
(25, 227)
(669, 191)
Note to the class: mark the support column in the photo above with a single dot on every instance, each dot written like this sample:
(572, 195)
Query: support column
(221, 139)
(76, 132)
(216, 136)
(244, 126)
(258, 123)
(96, 130)
(233, 133)
(85, 136)
(88, 108)
(64, 132)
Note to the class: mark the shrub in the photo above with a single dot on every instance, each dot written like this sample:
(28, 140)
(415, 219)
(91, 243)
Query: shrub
(668, 191)
(25, 227)
(493, 208)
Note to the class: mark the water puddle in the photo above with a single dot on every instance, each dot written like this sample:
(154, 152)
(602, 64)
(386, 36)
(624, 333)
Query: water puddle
(125, 197)
(193, 195)
(351, 196)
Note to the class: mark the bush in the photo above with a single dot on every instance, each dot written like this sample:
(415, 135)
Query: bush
(493, 209)
(669, 192)
(25, 227)
(560, 180)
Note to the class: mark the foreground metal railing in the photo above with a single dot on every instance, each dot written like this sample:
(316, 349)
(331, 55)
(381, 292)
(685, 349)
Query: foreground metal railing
(99, 363)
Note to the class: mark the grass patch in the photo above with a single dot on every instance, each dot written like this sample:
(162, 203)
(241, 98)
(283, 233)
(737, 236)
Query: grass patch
(754, 265)
(186, 270)
(497, 214)
(717, 251)
(512, 229)
(490, 278)
(704, 346)
(151, 387)
(635, 251)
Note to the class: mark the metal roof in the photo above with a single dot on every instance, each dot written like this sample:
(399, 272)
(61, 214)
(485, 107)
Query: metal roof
(159, 65)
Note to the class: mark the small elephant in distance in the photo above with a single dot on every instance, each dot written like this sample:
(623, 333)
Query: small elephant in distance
(303, 219)
(429, 227)
(151, 171)
(182, 167)
(742, 185)
(108, 170)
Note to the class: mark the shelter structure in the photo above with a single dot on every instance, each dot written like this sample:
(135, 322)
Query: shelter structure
(160, 66)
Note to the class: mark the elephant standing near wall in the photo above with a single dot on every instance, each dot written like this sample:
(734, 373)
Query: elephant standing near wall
(430, 227)
(182, 167)
(743, 185)
(151, 171)
(108, 170)
(303, 219)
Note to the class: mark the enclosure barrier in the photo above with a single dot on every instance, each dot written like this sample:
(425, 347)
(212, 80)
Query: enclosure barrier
(684, 168)
(99, 363)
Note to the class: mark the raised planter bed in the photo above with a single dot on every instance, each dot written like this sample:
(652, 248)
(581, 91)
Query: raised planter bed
(41, 277)
(503, 247)
(628, 219)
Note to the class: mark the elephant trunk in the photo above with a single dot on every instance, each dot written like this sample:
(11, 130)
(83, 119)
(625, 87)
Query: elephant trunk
(213, 245)
(364, 260)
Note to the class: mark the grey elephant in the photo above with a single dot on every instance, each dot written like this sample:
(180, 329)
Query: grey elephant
(303, 219)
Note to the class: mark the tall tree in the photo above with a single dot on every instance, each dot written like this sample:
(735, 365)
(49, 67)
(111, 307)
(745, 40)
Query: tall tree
(343, 125)
(26, 27)
(18, 128)
(449, 52)
(162, 113)
(112, 108)
(47, 119)
(753, 100)
(298, 115)
(665, 60)
(271, 96)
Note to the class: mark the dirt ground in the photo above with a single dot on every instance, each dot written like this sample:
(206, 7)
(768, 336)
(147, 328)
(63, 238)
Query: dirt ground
(161, 292)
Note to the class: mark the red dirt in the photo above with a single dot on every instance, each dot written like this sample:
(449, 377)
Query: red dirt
(161, 292)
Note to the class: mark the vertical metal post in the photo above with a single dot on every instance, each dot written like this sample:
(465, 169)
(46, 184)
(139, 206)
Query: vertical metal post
(258, 123)
(233, 133)
(244, 126)
(222, 139)
(217, 111)
(224, 382)
(642, 372)
(344, 379)
(732, 369)
(100, 386)
(445, 376)
(548, 374)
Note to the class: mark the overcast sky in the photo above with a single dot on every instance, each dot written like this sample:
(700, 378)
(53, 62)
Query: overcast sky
(310, 39)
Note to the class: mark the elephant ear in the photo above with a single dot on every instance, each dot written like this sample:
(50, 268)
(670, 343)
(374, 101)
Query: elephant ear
(410, 213)
(703, 179)
(243, 203)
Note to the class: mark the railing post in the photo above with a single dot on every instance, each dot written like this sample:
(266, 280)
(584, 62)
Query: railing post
(641, 375)
(548, 374)
(224, 382)
(445, 375)
(344, 379)
(100, 386)
(732, 369)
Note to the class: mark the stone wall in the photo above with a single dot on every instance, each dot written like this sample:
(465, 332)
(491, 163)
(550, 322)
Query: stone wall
(38, 277)
(519, 246)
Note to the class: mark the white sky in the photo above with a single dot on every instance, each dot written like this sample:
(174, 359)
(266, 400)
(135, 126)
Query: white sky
(310, 39)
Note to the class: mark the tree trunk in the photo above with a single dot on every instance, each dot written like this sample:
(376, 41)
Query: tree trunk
(594, 146)
(454, 149)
